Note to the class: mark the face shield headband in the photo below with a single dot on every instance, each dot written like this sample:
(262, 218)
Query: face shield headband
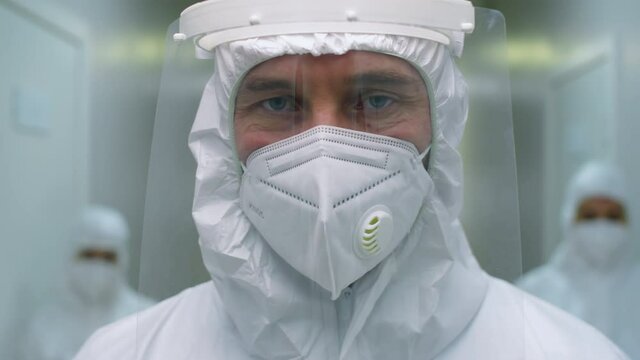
(211, 23)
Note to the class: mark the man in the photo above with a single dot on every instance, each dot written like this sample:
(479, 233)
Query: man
(96, 291)
(592, 274)
(327, 197)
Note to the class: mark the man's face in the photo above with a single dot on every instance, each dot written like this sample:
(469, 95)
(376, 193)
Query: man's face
(360, 90)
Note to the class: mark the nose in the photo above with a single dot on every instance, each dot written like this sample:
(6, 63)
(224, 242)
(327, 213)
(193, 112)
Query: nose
(329, 113)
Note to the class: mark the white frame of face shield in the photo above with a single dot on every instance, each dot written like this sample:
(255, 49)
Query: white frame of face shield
(214, 22)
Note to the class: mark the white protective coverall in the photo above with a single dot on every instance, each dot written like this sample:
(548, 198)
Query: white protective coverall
(428, 299)
(601, 290)
(95, 293)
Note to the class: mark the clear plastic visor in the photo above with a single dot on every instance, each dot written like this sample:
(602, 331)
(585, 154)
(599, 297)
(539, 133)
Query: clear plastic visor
(288, 95)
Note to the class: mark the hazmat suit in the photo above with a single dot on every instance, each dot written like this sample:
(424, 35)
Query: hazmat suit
(95, 293)
(592, 273)
(326, 241)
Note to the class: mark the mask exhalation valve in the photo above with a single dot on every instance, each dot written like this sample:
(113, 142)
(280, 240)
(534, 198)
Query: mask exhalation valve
(374, 229)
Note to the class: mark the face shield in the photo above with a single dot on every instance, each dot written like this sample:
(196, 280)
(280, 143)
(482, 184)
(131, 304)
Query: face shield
(328, 177)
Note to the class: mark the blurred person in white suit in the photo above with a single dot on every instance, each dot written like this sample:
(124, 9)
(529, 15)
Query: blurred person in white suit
(95, 292)
(593, 273)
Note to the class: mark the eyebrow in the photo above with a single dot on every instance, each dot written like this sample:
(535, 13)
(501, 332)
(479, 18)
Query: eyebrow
(385, 77)
(378, 77)
(266, 84)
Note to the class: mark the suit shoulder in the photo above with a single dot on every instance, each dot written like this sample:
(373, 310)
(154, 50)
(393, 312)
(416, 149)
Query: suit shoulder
(126, 338)
(557, 334)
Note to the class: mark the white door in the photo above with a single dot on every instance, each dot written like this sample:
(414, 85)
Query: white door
(42, 159)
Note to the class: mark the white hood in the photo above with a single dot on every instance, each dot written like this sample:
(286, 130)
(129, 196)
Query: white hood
(412, 299)
(604, 296)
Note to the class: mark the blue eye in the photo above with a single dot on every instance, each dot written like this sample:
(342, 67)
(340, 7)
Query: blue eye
(378, 102)
(280, 103)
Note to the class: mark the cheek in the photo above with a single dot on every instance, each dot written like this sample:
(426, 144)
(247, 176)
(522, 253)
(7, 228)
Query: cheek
(250, 141)
(417, 127)
(246, 141)
(415, 130)
(422, 134)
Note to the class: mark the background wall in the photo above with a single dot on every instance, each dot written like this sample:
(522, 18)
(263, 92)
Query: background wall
(574, 76)
(77, 104)
(126, 56)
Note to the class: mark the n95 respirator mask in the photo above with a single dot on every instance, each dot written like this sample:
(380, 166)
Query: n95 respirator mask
(332, 202)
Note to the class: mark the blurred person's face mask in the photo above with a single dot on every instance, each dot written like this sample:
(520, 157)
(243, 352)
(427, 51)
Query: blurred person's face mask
(602, 243)
(95, 278)
(332, 148)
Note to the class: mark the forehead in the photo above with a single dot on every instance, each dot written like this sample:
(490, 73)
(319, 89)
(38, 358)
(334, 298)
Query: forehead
(96, 250)
(326, 67)
(600, 202)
